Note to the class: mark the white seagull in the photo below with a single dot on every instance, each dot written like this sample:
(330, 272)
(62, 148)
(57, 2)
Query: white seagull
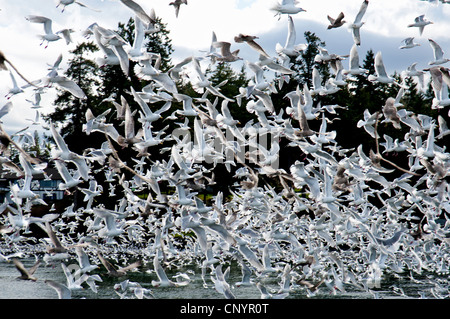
(438, 54)
(63, 153)
(409, 43)
(354, 68)
(420, 22)
(49, 35)
(287, 7)
(290, 48)
(381, 74)
(358, 23)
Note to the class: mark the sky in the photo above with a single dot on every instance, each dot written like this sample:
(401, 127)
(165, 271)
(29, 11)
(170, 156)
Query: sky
(386, 25)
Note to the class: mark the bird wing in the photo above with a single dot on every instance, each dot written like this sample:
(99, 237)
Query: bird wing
(52, 235)
(292, 35)
(33, 269)
(58, 139)
(362, 11)
(69, 85)
(20, 267)
(379, 65)
(139, 11)
(130, 266)
(437, 50)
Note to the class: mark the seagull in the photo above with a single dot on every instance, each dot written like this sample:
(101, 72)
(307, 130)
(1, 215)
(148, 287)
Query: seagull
(148, 116)
(336, 23)
(163, 280)
(117, 272)
(220, 283)
(188, 110)
(83, 260)
(354, 68)
(420, 22)
(287, 7)
(69, 180)
(62, 290)
(74, 281)
(175, 71)
(246, 276)
(177, 4)
(65, 3)
(65, 84)
(443, 128)
(438, 54)
(26, 274)
(66, 33)
(357, 23)
(49, 36)
(6, 109)
(57, 247)
(409, 43)
(25, 191)
(225, 52)
(390, 113)
(290, 48)
(111, 229)
(63, 153)
(272, 65)
(265, 294)
(15, 89)
(136, 50)
(250, 40)
(139, 11)
(412, 71)
(368, 122)
(110, 57)
(381, 75)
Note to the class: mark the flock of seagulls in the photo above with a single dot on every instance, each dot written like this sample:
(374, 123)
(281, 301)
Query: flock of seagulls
(337, 220)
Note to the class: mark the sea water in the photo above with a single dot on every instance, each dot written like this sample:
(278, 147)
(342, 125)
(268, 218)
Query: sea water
(391, 286)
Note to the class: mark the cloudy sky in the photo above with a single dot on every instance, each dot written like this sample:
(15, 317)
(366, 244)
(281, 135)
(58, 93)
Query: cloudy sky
(386, 25)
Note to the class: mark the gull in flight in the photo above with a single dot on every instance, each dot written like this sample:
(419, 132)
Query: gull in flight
(139, 11)
(139, 35)
(15, 88)
(409, 43)
(62, 290)
(290, 48)
(336, 23)
(49, 36)
(250, 39)
(26, 274)
(220, 283)
(287, 7)
(420, 22)
(225, 52)
(381, 74)
(438, 54)
(63, 153)
(357, 23)
(113, 271)
(354, 68)
(162, 276)
(112, 228)
(177, 4)
(65, 3)
(412, 71)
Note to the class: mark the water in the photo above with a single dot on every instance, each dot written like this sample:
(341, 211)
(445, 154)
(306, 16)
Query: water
(392, 286)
